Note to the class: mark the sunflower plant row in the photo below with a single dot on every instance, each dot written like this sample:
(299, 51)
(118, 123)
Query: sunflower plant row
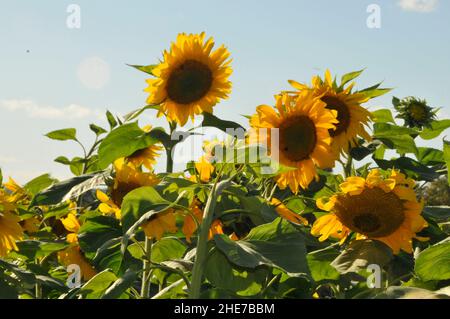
(342, 215)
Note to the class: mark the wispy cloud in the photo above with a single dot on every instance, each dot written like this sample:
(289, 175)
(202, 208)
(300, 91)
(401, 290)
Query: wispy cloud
(34, 110)
(424, 6)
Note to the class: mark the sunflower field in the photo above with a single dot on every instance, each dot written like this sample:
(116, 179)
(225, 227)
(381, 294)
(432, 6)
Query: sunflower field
(316, 198)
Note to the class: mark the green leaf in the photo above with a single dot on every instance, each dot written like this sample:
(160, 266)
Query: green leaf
(39, 183)
(383, 116)
(167, 248)
(7, 291)
(138, 202)
(386, 130)
(319, 264)
(430, 156)
(437, 127)
(121, 284)
(134, 114)
(210, 120)
(123, 141)
(54, 194)
(144, 68)
(434, 262)
(98, 284)
(63, 135)
(97, 129)
(410, 167)
(111, 120)
(438, 213)
(223, 275)
(97, 231)
(278, 244)
(447, 158)
(360, 254)
(62, 160)
(350, 76)
(33, 249)
(374, 91)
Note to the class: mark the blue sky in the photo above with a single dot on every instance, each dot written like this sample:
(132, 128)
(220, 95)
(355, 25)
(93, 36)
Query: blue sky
(43, 86)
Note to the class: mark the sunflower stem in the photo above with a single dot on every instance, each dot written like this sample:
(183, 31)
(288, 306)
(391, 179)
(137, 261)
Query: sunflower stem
(145, 288)
(202, 242)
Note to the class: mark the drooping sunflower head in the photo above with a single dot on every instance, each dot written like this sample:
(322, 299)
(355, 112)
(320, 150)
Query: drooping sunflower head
(302, 124)
(129, 178)
(147, 156)
(383, 208)
(352, 117)
(191, 78)
(415, 112)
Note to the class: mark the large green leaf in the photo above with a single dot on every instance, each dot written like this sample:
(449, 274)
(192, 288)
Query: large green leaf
(123, 141)
(383, 116)
(278, 244)
(438, 213)
(447, 158)
(360, 254)
(137, 203)
(434, 262)
(96, 231)
(63, 135)
(33, 249)
(437, 127)
(430, 156)
(319, 264)
(39, 183)
(411, 167)
(55, 193)
(98, 284)
(223, 275)
(121, 285)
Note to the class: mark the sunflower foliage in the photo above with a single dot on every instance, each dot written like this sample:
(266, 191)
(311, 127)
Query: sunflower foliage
(344, 215)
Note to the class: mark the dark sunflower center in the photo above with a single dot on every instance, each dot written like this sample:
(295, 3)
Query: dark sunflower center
(343, 114)
(118, 193)
(418, 112)
(297, 138)
(189, 82)
(137, 153)
(373, 213)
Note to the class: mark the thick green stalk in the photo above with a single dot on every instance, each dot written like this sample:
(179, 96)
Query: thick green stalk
(202, 245)
(145, 287)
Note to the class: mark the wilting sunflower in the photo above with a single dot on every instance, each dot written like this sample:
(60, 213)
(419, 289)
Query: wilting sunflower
(164, 222)
(10, 230)
(127, 178)
(303, 125)
(191, 79)
(147, 156)
(73, 254)
(286, 213)
(384, 209)
(415, 112)
(351, 115)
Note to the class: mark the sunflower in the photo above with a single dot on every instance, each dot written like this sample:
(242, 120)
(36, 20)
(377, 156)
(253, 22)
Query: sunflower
(73, 254)
(286, 213)
(127, 178)
(164, 222)
(196, 217)
(415, 112)
(377, 207)
(147, 156)
(191, 79)
(351, 115)
(10, 230)
(303, 125)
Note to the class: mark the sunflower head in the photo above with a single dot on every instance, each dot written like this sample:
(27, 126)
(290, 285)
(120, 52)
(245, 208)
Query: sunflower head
(381, 207)
(190, 79)
(10, 229)
(352, 117)
(128, 178)
(415, 112)
(146, 156)
(302, 124)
